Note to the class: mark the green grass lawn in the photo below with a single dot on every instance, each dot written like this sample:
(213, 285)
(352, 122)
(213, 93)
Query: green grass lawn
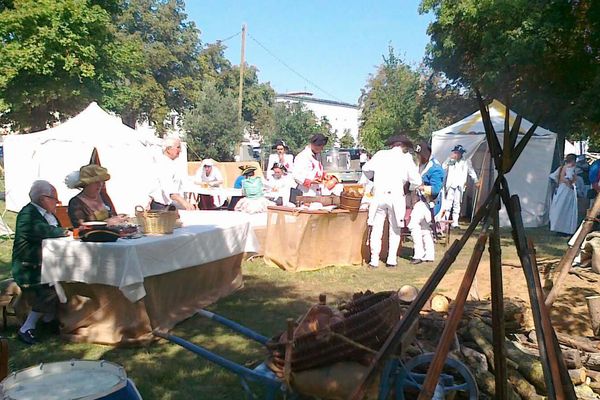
(269, 296)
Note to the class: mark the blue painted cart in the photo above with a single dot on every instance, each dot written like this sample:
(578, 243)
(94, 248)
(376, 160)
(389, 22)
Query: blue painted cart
(397, 377)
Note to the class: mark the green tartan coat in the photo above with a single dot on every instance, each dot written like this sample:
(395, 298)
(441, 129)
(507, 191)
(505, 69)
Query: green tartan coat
(31, 229)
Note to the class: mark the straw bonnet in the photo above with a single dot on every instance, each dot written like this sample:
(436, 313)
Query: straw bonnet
(90, 174)
(246, 169)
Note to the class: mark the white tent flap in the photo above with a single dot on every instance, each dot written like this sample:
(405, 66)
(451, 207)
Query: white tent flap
(529, 177)
(52, 154)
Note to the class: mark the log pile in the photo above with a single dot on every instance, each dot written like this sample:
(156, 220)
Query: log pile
(525, 375)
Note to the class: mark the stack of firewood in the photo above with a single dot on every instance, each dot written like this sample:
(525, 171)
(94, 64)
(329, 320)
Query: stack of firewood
(526, 379)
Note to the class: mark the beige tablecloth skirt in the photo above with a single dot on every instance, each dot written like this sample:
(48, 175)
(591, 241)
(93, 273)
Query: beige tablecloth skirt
(99, 313)
(310, 240)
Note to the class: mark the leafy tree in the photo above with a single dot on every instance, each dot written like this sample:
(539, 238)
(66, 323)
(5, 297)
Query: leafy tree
(212, 125)
(169, 77)
(541, 54)
(294, 124)
(390, 102)
(55, 57)
(347, 141)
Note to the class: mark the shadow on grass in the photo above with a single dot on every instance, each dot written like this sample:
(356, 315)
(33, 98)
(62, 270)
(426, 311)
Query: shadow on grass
(166, 371)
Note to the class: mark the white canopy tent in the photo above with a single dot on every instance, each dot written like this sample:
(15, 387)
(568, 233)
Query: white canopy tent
(52, 154)
(528, 178)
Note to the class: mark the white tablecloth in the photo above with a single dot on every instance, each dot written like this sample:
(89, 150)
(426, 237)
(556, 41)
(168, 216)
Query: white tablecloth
(206, 236)
(223, 192)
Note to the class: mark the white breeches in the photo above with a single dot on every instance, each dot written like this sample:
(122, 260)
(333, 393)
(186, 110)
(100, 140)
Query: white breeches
(382, 211)
(451, 202)
(420, 230)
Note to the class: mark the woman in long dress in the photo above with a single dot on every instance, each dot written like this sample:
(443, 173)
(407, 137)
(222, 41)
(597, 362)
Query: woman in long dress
(563, 209)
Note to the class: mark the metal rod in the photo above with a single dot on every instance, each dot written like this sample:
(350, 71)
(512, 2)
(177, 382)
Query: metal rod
(217, 359)
(249, 333)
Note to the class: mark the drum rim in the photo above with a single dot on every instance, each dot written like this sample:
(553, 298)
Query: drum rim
(18, 377)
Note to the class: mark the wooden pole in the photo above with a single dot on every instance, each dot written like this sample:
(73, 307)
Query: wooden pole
(498, 326)
(567, 260)
(559, 370)
(242, 65)
(441, 352)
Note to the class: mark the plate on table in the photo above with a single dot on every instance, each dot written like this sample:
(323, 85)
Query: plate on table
(94, 224)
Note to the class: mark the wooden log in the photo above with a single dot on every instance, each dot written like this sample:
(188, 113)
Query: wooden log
(591, 361)
(577, 376)
(593, 303)
(440, 303)
(528, 365)
(595, 386)
(477, 363)
(577, 342)
(593, 375)
(520, 385)
(572, 358)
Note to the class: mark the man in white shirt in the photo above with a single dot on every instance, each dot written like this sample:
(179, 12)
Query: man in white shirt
(390, 170)
(456, 169)
(168, 189)
(281, 157)
(308, 169)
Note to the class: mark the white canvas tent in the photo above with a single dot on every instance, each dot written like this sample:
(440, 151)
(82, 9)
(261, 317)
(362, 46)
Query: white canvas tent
(529, 176)
(128, 155)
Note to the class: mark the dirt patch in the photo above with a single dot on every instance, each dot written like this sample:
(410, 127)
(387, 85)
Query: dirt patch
(569, 312)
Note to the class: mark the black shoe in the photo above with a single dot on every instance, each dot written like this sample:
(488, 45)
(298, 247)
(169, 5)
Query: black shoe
(391, 265)
(27, 336)
(416, 261)
(369, 266)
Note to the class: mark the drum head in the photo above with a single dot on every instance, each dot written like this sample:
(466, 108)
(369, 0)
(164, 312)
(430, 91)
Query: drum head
(81, 380)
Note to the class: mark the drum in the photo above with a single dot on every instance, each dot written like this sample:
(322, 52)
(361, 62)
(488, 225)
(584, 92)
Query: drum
(76, 379)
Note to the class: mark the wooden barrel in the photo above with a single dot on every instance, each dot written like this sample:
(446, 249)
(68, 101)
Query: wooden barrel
(350, 203)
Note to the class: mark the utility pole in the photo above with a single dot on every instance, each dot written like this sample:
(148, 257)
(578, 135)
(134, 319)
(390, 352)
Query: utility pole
(242, 74)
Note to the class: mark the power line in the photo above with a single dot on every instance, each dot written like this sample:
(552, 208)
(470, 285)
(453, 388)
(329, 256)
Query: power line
(230, 37)
(293, 70)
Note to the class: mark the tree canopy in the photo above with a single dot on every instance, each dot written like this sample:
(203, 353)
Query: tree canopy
(543, 55)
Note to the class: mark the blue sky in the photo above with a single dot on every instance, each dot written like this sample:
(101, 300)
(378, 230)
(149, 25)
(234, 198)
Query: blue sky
(333, 44)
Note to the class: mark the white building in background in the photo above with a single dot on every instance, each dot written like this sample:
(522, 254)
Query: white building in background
(340, 115)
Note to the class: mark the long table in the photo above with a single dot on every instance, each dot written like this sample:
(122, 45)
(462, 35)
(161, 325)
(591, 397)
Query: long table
(117, 293)
(304, 240)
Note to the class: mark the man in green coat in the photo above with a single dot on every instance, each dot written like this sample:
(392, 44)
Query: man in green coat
(35, 222)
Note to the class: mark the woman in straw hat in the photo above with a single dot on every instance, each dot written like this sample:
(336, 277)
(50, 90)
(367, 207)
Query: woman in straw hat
(253, 190)
(92, 204)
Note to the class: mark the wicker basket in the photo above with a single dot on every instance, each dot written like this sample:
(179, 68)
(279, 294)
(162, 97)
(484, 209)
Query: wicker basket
(368, 320)
(156, 222)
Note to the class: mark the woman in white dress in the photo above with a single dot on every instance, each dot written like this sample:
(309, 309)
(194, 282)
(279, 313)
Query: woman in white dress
(563, 209)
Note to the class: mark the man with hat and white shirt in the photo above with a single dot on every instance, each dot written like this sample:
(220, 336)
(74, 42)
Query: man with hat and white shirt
(422, 215)
(456, 169)
(390, 169)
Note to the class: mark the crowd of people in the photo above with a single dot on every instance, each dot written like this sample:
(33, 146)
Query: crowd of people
(399, 178)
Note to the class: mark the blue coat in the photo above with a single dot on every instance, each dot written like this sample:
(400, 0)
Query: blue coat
(434, 179)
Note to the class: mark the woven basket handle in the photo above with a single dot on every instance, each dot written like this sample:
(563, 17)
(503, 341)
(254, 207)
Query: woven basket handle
(140, 209)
